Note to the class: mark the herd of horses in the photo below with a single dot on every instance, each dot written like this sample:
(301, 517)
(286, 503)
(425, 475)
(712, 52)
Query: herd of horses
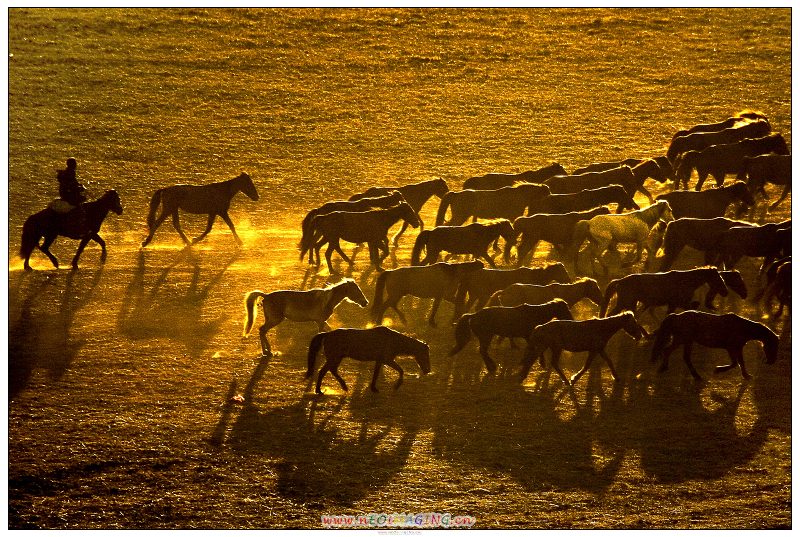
(573, 212)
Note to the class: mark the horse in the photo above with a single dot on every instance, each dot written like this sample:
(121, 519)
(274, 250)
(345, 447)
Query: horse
(524, 293)
(720, 331)
(700, 140)
(378, 344)
(507, 202)
(699, 233)
(471, 239)
(770, 168)
(368, 226)
(213, 199)
(478, 286)
(557, 229)
(415, 194)
(631, 178)
(770, 241)
(493, 181)
(674, 289)
(740, 118)
(311, 305)
(720, 160)
(49, 224)
(779, 285)
(438, 281)
(583, 201)
(363, 204)
(590, 335)
(512, 322)
(709, 203)
(607, 230)
(603, 166)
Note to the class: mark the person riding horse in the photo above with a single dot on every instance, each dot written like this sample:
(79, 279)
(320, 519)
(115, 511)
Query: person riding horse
(71, 192)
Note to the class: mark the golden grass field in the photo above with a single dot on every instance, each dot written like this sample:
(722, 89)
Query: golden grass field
(121, 377)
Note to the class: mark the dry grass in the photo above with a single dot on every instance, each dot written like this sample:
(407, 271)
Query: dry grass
(120, 378)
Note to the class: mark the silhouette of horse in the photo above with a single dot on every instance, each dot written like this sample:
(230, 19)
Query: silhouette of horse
(608, 230)
(771, 168)
(415, 194)
(740, 118)
(770, 241)
(720, 160)
(493, 181)
(50, 224)
(590, 335)
(583, 201)
(725, 331)
(631, 179)
(699, 233)
(674, 289)
(360, 205)
(603, 166)
(666, 172)
(367, 226)
(507, 202)
(698, 141)
(213, 199)
(557, 229)
(378, 344)
(478, 286)
(437, 281)
(710, 203)
(471, 239)
(312, 305)
(779, 285)
(524, 293)
(511, 322)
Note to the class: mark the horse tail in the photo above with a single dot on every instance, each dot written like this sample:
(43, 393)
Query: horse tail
(251, 300)
(443, 205)
(377, 302)
(305, 238)
(30, 238)
(419, 244)
(610, 291)
(579, 234)
(313, 349)
(462, 333)
(154, 202)
(662, 335)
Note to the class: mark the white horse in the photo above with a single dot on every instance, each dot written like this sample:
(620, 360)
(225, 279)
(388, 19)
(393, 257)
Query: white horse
(605, 231)
(312, 305)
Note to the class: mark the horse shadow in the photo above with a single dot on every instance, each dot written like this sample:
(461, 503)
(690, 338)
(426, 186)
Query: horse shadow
(39, 335)
(172, 311)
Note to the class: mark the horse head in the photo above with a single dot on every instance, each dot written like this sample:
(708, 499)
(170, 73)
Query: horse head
(506, 230)
(770, 343)
(558, 272)
(666, 170)
(423, 357)
(354, 293)
(408, 214)
(631, 326)
(591, 290)
(741, 192)
(716, 283)
(733, 280)
(665, 211)
(112, 201)
(247, 187)
(683, 166)
(440, 187)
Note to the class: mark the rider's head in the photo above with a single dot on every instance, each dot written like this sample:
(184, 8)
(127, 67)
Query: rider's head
(72, 163)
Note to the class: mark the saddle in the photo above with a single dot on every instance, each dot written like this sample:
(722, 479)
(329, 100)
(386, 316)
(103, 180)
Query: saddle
(61, 206)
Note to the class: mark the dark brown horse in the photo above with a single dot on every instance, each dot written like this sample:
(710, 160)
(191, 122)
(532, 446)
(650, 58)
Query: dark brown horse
(378, 344)
(770, 241)
(709, 203)
(438, 281)
(473, 239)
(698, 141)
(508, 202)
(50, 224)
(726, 331)
(584, 201)
(740, 118)
(512, 322)
(590, 335)
(779, 285)
(631, 178)
(415, 194)
(771, 168)
(493, 181)
(525, 293)
(213, 199)
(699, 233)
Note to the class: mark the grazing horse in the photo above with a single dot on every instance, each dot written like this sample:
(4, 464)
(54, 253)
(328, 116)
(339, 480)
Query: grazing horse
(770, 241)
(415, 194)
(674, 289)
(524, 293)
(363, 204)
(471, 239)
(583, 201)
(312, 305)
(493, 181)
(437, 281)
(698, 141)
(378, 344)
(740, 118)
(709, 203)
(367, 226)
(478, 286)
(699, 233)
(779, 285)
(590, 335)
(213, 199)
(723, 159)
(507, 202)
(771, 168)
(557, 229)
(606, 230)
(49, 224)
(514, 322)
(726, 331)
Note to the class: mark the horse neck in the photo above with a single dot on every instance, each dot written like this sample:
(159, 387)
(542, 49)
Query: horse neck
(763, 334)
(613, 324)
(337, 293)
(99, 207)
(650, 215)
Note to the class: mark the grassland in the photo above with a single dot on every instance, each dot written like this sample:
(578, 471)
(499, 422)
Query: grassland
(121, 377)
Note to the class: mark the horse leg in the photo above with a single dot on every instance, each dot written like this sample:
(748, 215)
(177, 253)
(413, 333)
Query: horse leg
(374, 384)
(156, 224)
(434, 309)
(735, 355)
(610, 365)
(701, 179)
(665, 356)
(45, 248)
(329, 253)
(266, 350)
(228, 221)
(394, 365)
(485, 340)
(325, 369)
(81, 246)
(583, 370)
(783, 196)
(555, 357)
(646, 192)
(209, 225)
(485, 255)
(687, 357)
(396, 237)
(374, 257)
(338, 377)
(177, 225)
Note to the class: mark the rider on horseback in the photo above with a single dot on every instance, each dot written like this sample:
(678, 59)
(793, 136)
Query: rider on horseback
(72, 195)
